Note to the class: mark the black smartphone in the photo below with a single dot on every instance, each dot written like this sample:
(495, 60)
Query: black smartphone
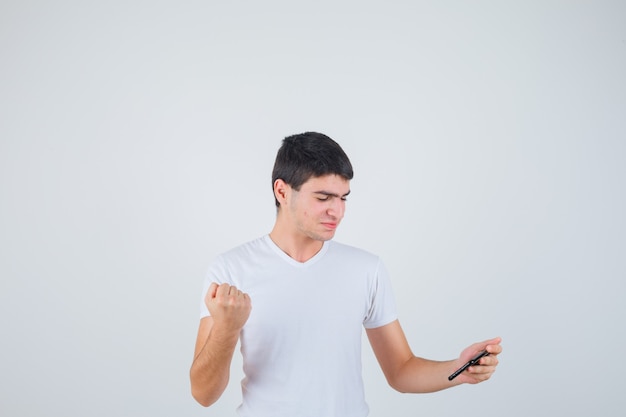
(468, 364)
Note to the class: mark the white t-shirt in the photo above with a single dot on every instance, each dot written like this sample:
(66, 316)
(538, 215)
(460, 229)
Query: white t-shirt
(301, 345)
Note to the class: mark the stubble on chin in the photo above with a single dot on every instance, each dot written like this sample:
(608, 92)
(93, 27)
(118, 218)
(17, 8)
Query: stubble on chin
(322, 237)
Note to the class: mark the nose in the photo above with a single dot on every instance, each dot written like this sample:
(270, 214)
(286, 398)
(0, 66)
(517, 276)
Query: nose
(337, 208)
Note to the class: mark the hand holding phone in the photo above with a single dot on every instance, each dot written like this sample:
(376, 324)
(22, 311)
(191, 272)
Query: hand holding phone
(469, 363)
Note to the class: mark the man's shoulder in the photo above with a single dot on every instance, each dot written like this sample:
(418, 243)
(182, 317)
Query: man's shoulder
(246, 249)
(242, 256)
(346, 250)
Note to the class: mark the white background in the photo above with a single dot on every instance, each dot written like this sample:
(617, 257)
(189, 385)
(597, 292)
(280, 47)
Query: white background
(137, 140)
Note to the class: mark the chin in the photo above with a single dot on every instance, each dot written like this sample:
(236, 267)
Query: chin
(322, 237)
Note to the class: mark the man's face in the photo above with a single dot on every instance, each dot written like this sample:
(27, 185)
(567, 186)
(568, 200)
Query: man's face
(317, 209)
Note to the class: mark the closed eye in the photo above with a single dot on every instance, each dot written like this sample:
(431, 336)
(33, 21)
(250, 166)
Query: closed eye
(324, 196)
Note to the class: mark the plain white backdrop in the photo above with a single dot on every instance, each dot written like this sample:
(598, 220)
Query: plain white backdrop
(137, 140)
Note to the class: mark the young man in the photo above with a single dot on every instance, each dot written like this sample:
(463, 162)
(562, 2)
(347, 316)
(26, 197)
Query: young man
(301, 343)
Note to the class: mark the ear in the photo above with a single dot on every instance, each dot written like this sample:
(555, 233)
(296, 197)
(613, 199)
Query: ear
(280, 191)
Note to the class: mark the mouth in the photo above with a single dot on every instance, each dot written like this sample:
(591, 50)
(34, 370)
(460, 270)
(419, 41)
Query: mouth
(330, 225)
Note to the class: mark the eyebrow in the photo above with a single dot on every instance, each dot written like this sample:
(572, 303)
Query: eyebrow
(329, 194)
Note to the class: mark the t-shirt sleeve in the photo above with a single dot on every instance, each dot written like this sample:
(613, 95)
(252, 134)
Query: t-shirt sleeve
(382, 309)
(217, 272)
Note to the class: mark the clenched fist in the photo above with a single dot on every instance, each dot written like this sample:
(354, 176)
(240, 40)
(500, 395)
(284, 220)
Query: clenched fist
(229, 306)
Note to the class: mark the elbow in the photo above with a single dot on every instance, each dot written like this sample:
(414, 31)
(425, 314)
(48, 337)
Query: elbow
(201, 401)
(402, 382)
(202, 397)
(393, 383)
(205, 392)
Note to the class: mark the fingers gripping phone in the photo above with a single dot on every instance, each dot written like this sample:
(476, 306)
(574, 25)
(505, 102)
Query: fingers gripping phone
(469, 363)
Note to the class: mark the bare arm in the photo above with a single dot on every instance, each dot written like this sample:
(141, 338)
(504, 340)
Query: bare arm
(216, 342)
(406, 372)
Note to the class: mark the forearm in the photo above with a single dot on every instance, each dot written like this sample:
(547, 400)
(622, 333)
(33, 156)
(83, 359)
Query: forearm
(210, 369)
(419, 375)
(407, 373)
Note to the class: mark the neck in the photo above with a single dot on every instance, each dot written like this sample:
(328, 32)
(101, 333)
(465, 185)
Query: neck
(299, 247)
